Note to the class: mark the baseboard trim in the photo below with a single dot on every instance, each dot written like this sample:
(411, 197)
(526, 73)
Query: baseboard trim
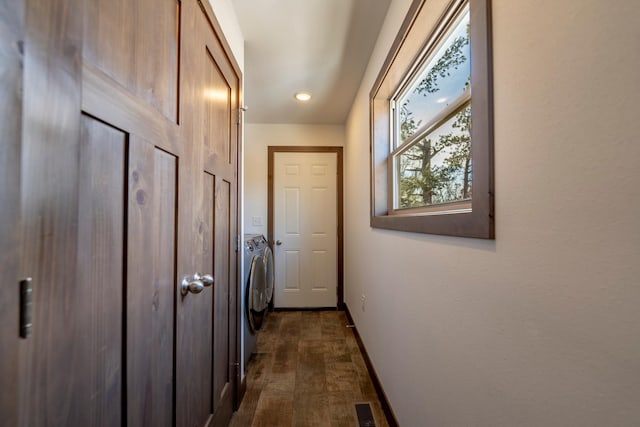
(384, 402)
(278, 309)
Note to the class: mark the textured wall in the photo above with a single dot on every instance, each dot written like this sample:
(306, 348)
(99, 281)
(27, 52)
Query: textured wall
(541, 326)
(257, 138)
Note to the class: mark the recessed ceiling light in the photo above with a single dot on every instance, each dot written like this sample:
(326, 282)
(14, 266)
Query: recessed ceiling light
(441, 100)
(303, 96)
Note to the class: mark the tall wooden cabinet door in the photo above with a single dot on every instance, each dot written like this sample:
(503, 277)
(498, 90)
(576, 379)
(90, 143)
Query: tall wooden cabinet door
(220, 157)
(130, 85)
(207, 335)
(11, 38)
(99, 208)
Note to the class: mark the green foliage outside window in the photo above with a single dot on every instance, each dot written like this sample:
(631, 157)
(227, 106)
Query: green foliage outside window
(437, 168)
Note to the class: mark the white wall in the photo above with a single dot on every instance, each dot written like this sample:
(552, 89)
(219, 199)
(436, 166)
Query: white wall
(260, 136)
(226, 16)
(540, 327)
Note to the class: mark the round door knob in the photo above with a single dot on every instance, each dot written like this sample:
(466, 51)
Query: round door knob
(196, 284)
(193, 286)
(278, 242)
(206, 279)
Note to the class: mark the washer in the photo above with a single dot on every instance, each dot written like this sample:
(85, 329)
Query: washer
(256, 298)
(267, 257)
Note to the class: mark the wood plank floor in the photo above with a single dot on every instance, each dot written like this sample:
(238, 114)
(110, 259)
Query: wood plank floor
(307, 371)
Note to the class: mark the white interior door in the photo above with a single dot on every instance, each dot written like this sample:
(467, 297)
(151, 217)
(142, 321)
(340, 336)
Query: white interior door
(306, 224)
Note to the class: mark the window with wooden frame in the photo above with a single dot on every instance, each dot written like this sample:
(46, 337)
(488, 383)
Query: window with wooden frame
(431, 123)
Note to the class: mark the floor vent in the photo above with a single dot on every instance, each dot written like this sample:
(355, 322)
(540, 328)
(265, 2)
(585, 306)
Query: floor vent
(365, 416)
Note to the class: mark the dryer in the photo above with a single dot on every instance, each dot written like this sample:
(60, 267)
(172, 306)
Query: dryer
(258, 289)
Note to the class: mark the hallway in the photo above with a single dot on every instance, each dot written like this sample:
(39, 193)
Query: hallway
(307, 371)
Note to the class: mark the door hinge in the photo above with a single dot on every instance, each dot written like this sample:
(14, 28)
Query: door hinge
(26, 304)
(241, 111)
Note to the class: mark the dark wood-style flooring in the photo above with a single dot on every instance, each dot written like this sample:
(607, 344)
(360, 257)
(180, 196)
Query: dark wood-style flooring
(307, 371)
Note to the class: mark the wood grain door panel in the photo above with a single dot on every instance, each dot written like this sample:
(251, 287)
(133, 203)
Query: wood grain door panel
(151, 284)
(12, 34)
(72, 373)
(101, 237)
(217, 100)
(137, 44)
(224, 301)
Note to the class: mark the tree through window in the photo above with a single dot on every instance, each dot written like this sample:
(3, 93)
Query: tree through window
(433, 142)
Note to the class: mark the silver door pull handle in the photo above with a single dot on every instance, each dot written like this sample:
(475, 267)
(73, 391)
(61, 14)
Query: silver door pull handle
(278, 242)
(195, 284)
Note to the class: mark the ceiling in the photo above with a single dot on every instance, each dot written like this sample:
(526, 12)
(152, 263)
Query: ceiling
(321, 47)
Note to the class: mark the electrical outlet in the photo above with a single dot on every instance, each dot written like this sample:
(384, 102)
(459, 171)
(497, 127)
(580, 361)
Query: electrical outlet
(363, 299)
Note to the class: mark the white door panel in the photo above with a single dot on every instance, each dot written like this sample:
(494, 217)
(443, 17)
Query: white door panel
(305, 210)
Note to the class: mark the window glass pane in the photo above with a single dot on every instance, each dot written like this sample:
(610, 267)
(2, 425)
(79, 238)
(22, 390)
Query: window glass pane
(437, 168)
(444, 79)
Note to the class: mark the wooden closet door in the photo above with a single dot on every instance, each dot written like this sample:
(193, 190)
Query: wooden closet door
(131, 85)
(219, 151)
(119, 181)
(207, 361)
(102, 207)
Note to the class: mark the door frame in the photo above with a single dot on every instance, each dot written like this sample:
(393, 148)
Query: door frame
(273, 149)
